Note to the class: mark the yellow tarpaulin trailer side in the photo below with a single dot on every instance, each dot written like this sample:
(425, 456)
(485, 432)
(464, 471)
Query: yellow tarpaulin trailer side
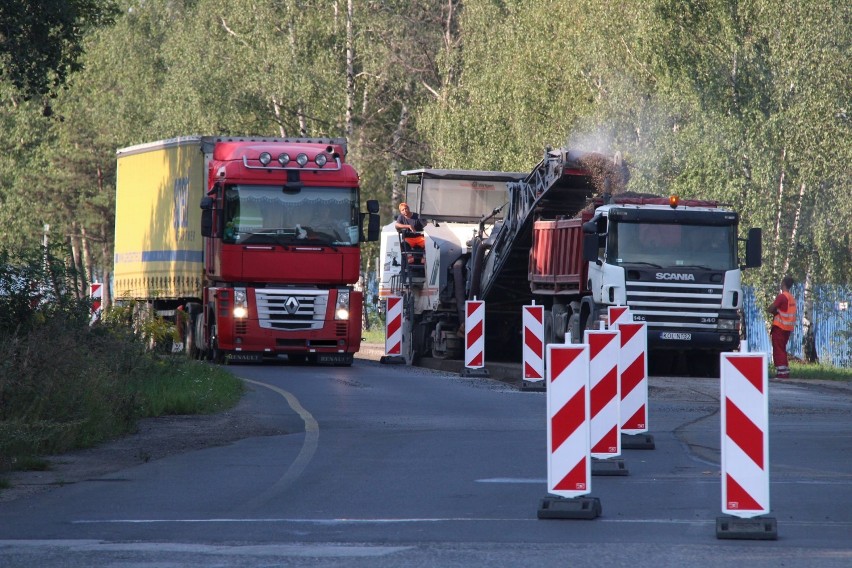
(158, 244)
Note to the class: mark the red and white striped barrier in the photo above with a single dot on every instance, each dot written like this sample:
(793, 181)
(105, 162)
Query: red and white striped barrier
(533, 337)
(618, 314)
(569, 467)
(96, 292)
(745, 434)
(633, 367)
(393, 325)
(474, 334)
(604, 393)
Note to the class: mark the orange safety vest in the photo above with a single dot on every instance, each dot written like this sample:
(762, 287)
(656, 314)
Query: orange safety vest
(786, 319)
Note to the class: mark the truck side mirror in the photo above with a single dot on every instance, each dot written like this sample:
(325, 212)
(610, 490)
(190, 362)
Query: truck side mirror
(207, 208)
(207, 223)
(206, 216)
(590, 247)
(373, 228)
(372, 206)
(754, 248)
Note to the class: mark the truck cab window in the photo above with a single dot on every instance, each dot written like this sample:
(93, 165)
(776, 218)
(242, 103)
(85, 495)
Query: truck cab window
(266, 215)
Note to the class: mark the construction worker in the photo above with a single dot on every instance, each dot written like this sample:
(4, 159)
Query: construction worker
(784, 311)
(409, 225)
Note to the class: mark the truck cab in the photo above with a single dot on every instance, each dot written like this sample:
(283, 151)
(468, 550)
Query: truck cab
(675, 265)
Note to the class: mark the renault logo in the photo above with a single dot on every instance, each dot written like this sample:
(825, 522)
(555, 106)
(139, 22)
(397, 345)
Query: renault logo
(292, 305)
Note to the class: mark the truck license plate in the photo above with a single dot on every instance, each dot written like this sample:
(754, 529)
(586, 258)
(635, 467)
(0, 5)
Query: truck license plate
(676, 336)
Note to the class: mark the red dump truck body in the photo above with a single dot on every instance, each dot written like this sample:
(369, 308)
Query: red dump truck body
(556, 257)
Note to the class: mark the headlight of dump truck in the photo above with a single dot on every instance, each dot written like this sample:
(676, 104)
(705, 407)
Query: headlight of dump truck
(341, 310)
(729, 324)
(240, 303)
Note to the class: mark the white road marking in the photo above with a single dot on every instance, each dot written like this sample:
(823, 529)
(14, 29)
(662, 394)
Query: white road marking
(381, 521)
(542, 481)
(298, 550)
(309, 447)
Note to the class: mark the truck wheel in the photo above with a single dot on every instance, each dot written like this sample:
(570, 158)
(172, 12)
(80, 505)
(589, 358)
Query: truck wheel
(421, 341)
(191, 331)
(548, 328)
(214, 353)
(189, 338)
(201, 351)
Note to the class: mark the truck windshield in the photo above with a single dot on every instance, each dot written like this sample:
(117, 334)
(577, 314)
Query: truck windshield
(663, 245)
(262, 214)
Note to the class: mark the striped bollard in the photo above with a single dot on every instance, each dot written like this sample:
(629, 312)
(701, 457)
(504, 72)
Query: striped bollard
(745, 448)
(634, 386)
(618, 314)
(533, 348)
(96, 293)
(393, 331)
(569, 475)
(474, 339)
(605, 401)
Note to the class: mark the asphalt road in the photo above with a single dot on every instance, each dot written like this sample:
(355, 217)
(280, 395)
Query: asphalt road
(392, 466)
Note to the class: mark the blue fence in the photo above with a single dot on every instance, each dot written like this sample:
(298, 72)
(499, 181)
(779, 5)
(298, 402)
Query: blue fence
(832, 321)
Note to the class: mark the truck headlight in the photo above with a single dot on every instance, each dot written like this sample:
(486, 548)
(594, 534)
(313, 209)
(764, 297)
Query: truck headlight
(341, 309)
(240, 303)
(729, 324)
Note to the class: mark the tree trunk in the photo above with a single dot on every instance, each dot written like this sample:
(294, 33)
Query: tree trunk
(303, 123)
(780, 206)
(790, 249)
(77, 266)
(350, 69)
(87, 257)
(276, 108)
(398, 191)
(106, 301)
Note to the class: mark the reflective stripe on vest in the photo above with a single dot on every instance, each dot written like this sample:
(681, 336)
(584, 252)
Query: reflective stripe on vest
(786, 319)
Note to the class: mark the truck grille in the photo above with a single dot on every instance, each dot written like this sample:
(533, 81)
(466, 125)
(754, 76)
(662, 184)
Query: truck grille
(291, 309)
(675, 305)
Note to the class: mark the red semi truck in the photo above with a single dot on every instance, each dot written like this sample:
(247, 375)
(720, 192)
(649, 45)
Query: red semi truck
(266, 265)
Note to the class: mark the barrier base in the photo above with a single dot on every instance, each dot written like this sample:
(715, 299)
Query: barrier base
(468, 372)
(392, 360)
(573, 508)
(756, 528)
(637, 442)
(533, 386)
(611, 466)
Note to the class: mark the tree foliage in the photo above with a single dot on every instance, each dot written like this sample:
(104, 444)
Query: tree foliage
(743, 101)
(41, 40)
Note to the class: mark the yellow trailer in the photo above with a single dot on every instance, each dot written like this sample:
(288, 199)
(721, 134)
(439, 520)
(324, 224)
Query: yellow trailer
(158, 245)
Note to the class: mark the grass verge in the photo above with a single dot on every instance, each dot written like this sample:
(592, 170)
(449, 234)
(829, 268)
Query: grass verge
(376, 334)
(818, 371)
(65, 388)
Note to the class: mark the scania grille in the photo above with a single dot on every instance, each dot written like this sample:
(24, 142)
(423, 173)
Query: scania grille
(291, 309)
(675, 305)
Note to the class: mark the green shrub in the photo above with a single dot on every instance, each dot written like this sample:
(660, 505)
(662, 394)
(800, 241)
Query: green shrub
(65, 384)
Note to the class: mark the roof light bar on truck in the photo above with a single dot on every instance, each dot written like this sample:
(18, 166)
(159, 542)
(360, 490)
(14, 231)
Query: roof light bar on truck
(302, 160)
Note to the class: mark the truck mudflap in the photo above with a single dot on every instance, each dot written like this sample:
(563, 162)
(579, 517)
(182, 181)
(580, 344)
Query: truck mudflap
(689, 339)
